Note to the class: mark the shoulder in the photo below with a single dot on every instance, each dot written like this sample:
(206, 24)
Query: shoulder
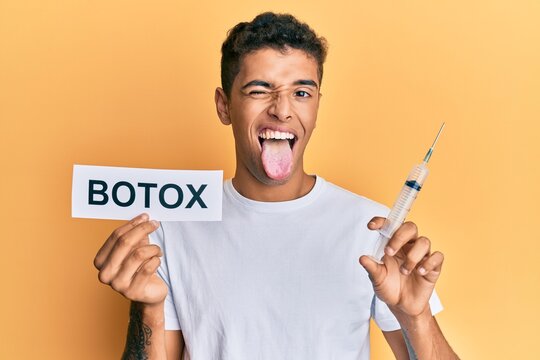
(348, 199)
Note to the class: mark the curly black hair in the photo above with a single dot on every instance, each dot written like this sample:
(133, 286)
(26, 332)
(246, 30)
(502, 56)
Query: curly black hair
(268, 30)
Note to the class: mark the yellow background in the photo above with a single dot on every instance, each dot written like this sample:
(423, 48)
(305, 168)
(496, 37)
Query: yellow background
(130, 83)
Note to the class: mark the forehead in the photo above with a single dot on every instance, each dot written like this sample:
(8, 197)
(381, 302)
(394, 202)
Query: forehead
(277, 67)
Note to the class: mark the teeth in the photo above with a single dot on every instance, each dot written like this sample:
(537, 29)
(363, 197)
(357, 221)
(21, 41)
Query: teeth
(271, 134)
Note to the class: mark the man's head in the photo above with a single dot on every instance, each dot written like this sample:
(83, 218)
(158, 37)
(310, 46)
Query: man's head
(271, 73)
(268, 30)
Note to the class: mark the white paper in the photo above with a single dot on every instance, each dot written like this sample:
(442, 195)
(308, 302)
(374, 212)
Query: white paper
(118, 193)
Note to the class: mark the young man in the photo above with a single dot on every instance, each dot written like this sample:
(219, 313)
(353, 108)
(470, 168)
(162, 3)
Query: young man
(279, 277)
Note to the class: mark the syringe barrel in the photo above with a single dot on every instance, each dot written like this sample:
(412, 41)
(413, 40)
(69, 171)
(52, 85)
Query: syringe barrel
(401, 207)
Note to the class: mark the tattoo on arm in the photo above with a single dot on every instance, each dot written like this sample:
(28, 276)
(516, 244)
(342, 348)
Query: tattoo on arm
(138, 336)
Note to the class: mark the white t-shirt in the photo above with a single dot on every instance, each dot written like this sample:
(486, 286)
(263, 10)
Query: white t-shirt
(275, 280)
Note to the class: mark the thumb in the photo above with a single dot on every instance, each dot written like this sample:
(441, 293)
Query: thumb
(376, 271)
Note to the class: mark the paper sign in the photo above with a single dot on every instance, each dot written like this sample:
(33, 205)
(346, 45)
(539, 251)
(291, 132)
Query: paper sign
(103, 192)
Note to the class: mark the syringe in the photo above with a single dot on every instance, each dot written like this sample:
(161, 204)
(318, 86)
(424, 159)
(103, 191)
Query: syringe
(404, 202)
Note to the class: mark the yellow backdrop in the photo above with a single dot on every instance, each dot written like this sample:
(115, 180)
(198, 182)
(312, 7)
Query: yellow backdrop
(130, 83)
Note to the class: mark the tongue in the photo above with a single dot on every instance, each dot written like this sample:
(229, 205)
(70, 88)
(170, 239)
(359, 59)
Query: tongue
(276, 158)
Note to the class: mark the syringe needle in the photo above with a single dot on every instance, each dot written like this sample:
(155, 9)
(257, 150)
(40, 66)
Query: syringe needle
(430, 151)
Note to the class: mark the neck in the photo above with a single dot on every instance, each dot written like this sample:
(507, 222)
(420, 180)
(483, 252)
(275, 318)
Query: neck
(296, 186)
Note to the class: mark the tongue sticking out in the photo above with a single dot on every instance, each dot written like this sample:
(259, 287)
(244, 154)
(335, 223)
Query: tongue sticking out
(276, 158)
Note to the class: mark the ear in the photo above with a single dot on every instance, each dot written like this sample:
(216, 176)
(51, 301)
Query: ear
(222, 107)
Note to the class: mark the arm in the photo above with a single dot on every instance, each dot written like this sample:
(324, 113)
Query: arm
(147, 339)
(146, 334)
(174, 343)
(405, 281)
(128, 263)
(424, 338)
(427, 342)
(397, 344)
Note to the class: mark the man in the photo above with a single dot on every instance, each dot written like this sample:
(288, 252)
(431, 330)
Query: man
(279, 277)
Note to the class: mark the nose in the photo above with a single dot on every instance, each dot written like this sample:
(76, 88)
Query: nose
(280, 109)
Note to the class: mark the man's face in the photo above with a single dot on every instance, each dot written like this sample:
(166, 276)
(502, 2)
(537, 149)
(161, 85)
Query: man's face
(273, 109)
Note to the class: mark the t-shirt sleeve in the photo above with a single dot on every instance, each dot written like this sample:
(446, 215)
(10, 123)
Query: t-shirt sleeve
(386, 321)
(171, 318)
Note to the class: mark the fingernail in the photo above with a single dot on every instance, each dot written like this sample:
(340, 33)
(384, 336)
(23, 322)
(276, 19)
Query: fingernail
(389, 251)
(404, 271)
(144, 216)
(155, 223)
(421, 270)
(371, 223)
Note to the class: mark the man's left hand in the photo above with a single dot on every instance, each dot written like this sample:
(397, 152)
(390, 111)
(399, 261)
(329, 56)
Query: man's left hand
(406, 279)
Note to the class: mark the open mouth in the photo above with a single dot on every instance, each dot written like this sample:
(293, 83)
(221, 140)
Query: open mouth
(267, 134)
(277, 153)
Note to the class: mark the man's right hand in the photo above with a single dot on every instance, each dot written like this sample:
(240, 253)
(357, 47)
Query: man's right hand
(128, 262)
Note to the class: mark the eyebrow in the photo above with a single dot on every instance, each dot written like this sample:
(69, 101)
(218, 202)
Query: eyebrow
(269, 86)
(257, 83)
(307, 83)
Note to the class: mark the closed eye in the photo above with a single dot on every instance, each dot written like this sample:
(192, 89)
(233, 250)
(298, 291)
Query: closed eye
(259, 93)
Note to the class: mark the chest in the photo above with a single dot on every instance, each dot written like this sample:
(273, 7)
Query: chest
(270, 275)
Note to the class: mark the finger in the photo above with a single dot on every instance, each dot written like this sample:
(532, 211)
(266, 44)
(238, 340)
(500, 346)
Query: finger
(406, 232)
(131, 264)
(431, 267)
(377, 272)
(142, 277)
(418, 251)
(376, 223)
(123, 246)
(103, 253)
